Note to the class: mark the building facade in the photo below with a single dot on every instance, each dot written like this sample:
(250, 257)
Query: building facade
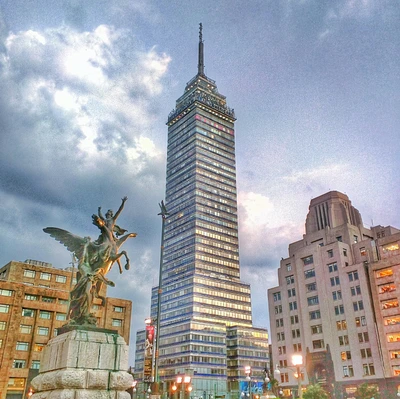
(205, 307)
(33, 305)
(337, 303)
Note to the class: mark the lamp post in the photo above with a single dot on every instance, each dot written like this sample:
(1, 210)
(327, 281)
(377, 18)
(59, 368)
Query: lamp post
(297, 361)
(184, 382)
(247, 371)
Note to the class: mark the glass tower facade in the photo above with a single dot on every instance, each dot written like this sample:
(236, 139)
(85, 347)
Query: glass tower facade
(202, 295)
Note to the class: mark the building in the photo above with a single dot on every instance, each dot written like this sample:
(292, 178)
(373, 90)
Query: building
(205, 307)
(33, 304)
(337, 303)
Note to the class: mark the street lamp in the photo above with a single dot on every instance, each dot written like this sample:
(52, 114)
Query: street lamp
(297, 361)
(247, 371)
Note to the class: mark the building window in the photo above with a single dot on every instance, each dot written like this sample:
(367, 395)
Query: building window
(363, 251)
(311, 287)
(361, 321)
(390, 247)
(308, 260)
(118, 309)
(296, 333)
(330, 253)
(348, 371)
(25, 329)
(316, 314)
(278, 309)
(288, 267)
(355, 290)
(353, 276)
(391, 321)
(28, 312)
(337, 295)
(45, 276)
(1, 343)
(4, 308)
(363, 337)
(29, 273)
(339, 310)
(280, 336)
(318, 344)
(344, 252)
(291, 292)
(2, 325)
(61, 316)
(293, 305)
(43, 331)
(19, 364)
(355, 239)
(30, 297)
(309, 273)
(22, 346)
(116, 322)
(294, 319)
(339, 238)
(297, 347)
(282, 350)
(312, 300)
(316, 329)
(290, 279)
(284, 377)
(283, 363)
(43, 314)
(335, 281)
(384, 273)
(341, 325)
(345, 355)
(385, 288)
(366, 352)
(38, 347)
(6, 292)
(48, 299)
(332, 267)
(63, 302)
(35, 364)
(368, 369)
(277, 296)
(343, 340)
(391, 303)
(61, 279)
(359, 305)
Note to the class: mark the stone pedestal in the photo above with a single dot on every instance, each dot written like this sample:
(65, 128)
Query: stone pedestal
(83, 364)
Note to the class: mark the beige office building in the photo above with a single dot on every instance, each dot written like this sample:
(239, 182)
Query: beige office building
(33, 304)
(337, 303)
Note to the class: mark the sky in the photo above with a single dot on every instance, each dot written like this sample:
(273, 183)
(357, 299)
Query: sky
(86, 87)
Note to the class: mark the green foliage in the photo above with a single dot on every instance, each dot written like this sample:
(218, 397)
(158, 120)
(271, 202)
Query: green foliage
(365, 391)
(315, 392)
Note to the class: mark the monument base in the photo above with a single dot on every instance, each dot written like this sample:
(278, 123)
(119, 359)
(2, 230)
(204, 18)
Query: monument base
(83, 364)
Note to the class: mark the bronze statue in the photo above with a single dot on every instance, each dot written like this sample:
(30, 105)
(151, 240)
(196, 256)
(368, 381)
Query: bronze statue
(95, 259)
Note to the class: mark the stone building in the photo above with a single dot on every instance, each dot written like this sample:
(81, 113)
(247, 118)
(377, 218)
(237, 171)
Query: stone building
(33, 304)
(337, 303)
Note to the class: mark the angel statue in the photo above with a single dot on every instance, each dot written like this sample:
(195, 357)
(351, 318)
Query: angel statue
(95, 259)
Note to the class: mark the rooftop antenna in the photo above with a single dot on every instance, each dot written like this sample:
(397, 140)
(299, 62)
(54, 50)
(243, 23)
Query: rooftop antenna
(201, 51)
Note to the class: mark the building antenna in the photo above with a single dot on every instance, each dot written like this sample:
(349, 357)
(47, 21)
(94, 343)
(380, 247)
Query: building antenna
(201, 51)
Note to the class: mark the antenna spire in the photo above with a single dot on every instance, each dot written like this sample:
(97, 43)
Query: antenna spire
(201, 51)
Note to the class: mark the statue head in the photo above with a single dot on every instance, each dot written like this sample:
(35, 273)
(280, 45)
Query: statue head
(109, 214)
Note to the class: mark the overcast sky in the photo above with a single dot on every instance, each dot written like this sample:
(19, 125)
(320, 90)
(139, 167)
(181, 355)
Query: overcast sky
(86, 88)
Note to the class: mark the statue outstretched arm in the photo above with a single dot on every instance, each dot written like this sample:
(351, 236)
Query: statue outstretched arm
(99, 213)
(120, 208)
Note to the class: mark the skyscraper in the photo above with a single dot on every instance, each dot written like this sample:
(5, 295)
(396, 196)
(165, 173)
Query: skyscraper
(203, 300)
(337, 303)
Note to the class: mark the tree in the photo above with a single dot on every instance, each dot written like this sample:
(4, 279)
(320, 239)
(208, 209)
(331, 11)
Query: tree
(366, 391)
(315, 392)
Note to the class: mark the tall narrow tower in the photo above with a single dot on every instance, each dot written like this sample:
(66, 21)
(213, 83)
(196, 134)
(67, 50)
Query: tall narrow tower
(203, 300)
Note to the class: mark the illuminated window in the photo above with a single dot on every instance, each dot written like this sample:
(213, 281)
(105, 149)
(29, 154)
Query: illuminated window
(395, 337)
(391, 303)
(29, 273)
(341, 325)
(361, 321)
(390, 321)
(390, 247)
(384, 273)
(385, 288)
(38, 347)
(6, 292)
(363, 251)
(16, 383)
(30, 297)
(3, 325)
(395, 355)
(345, 355)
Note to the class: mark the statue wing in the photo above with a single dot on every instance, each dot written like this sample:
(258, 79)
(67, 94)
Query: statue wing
(73, 242)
